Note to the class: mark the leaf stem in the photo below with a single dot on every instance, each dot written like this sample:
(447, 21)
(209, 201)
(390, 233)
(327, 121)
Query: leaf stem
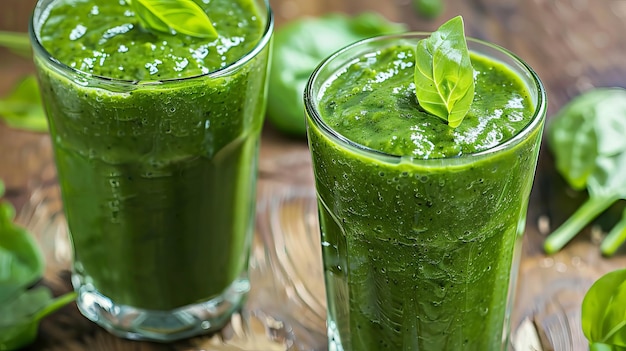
(574, 224)
(55, 305)
(615, 238)
(16, 41)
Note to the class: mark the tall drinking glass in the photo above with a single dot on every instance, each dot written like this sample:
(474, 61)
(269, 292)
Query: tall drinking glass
(157, 172)
(420, 248)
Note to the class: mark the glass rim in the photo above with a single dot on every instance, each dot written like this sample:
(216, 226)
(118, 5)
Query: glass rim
(313, 111)
(41, 51)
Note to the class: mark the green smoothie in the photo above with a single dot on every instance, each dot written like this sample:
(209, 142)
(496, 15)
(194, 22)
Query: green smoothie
(421, 223)
(156, 140)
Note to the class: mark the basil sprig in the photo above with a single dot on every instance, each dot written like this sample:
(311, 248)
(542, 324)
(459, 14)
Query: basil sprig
(167, 16)
(444, 77)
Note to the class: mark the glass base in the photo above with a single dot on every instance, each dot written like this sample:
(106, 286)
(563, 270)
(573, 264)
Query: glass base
(161, 326)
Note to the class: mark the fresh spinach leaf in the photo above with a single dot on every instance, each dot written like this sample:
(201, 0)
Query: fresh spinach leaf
(586, 137)
(181, 16)
(20, 317)
(604, 312)
(17, 42)
(21, 261)
(585, 128)
(21, 265)
(444, 76)
(299, 46)
(23, 108)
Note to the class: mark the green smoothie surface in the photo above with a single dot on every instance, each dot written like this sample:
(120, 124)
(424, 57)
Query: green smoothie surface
(103, 37)
(372, 102)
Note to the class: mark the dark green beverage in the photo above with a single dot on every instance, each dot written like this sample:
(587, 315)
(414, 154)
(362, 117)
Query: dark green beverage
(156, 142)
(421, 223)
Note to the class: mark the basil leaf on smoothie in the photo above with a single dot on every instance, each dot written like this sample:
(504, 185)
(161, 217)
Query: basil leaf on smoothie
(299, 46)
(22, 108)
(181, 16)
(586, 137)
(604, 312)
(444, 77)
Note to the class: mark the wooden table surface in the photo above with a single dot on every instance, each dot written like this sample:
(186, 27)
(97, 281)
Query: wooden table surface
(574, 45)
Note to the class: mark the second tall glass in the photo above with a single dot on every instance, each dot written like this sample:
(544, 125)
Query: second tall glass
(158, 179)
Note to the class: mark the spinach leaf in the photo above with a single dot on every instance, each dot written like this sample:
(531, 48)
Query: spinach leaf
(21, 261)
(20, 317)
(182, 16)
(444, 76)
(299, 46)
(586, 137)
(21, 265)
(604, 312)
(23, 108)
(17, 42)
(574, 130)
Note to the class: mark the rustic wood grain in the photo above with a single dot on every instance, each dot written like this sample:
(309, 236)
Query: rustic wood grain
(574, 45)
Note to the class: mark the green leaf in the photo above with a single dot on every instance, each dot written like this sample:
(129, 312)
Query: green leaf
(299, 46)
(590, 125)
(20, 316)
(608, 179)
(23, 108)
(587, 139)
(17, 42)
(604, 310)
(21, 260)
(444, 77)
(182, 16)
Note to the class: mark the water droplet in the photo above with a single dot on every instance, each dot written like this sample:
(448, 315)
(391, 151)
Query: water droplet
(484, 311)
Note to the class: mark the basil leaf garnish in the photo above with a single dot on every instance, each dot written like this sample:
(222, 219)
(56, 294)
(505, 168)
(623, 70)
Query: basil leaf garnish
(444, 77)
(167, 16)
